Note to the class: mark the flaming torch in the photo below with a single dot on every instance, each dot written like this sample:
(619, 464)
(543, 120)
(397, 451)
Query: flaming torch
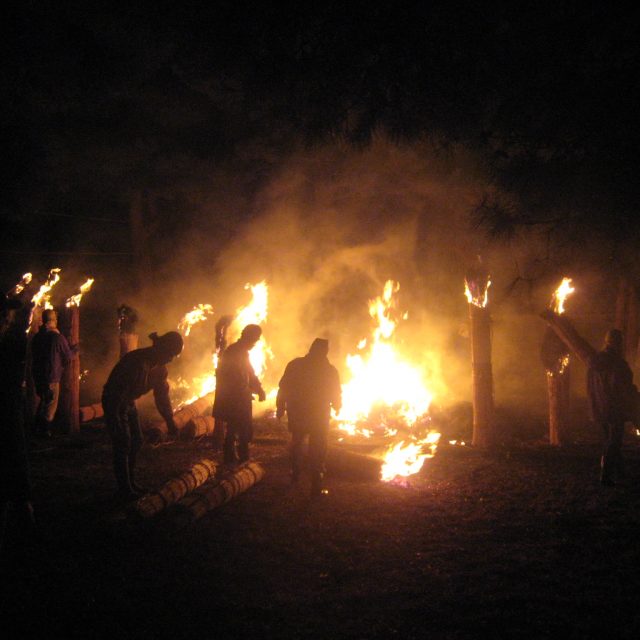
(19, 287)
(556, 359)
(70, 387)
(477, 285)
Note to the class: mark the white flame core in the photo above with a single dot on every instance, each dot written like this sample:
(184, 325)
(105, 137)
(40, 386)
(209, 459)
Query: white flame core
(561, 294)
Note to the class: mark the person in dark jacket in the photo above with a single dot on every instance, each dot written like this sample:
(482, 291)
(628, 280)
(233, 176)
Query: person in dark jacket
(15, 483)
(236, 384)
(50, 353)
(308, 390)
(612, 400)
(137, 373)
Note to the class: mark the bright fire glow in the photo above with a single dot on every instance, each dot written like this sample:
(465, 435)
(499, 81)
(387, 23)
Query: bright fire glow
(74, 301)
(19, 288)
(385, 393)
(199, 313)
(42, 298)
(477, 292)
(561, 294)
(255, 312)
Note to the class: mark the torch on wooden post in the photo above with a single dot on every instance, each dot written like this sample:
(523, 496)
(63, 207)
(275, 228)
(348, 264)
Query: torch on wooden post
(477, 286)
(70, 383)
(556, 359)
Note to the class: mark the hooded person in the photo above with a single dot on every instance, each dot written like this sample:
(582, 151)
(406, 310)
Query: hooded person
(236, 384)
(135, 374)
(309, 389)
(612, 401)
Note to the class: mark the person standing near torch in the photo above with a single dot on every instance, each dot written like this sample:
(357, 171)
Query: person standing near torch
(308, 390)
(137, 373)
(611, 392)
(236, 384)
(50, 353)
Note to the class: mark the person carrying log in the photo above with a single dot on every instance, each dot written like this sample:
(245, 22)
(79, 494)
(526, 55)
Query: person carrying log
(135, 374)
(309, 389)
(236, 384)
(612, 394)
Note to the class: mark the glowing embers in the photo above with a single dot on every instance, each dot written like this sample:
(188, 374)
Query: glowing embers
(387, 397)
(74, 301)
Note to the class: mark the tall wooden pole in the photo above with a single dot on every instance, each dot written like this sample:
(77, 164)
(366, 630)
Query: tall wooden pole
(70, 387)
(482, 376)
(556, 360)
(627, 318)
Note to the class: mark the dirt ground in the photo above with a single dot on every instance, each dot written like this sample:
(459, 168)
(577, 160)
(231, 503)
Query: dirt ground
(518, 542)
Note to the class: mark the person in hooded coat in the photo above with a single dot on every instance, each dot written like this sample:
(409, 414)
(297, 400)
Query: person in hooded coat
(309, 389)
(236, 384)
(135, 374)
(612, 401)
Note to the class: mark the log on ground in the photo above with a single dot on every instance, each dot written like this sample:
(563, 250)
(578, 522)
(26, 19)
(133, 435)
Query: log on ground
(176, 489)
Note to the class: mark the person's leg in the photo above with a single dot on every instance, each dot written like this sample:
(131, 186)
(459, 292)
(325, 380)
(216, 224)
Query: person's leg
(297, 453)
(229, 448)
(136, 445)
(318, 441)
(116, 417)
(608, 455)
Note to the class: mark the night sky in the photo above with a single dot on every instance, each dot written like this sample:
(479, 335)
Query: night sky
(238, 132)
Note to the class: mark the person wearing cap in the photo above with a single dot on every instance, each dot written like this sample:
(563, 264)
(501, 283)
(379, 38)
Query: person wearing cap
(309, 389)
(137, 373)
(612, 401)
(236, 384)
(15, 482)
(50, 354)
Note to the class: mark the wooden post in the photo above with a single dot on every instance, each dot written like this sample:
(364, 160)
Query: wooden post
(32, 397)
(627, 318)
(127, 336)
(556, 360)
(482, 376)
(70, 383)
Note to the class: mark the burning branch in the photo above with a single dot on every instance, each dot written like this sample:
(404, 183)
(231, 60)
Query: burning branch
(74, 301)
(199, 313)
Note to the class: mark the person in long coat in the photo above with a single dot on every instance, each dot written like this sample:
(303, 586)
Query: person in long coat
(236, 384)
(612, 400)
(308, 391)
(135, 374)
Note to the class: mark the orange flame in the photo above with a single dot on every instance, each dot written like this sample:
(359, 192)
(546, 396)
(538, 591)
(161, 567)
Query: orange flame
(74, 301)
(477, 293)
(199, 313)
(381, 379)
(43, 295)
(561, 294)
(19, 288)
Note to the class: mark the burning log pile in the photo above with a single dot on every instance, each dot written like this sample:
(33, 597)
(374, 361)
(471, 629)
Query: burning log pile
(175, 489)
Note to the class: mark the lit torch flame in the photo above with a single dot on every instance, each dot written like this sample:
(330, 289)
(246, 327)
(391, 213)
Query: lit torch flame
(19, 288)
(477, 292)
(199, 313)
(74, 301)
(561, 294)
(42, 297)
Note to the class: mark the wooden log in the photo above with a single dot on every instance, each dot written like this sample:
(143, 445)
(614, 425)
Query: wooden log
(198, 427)
(32, 396)
(340, 461)
(176, 488)
(213, 495)
(568, 334)
(558, 395)
(482, 376)
(157, 431)
(70, 383)
(91, 412)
